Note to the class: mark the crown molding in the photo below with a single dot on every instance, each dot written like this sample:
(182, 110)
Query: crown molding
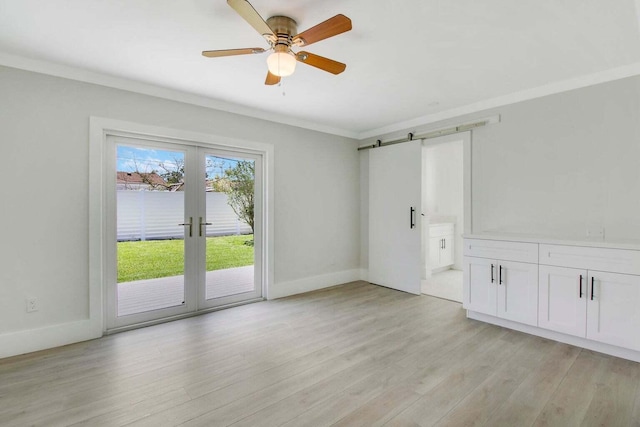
(525, 95)
(75, 73)
(79, 74)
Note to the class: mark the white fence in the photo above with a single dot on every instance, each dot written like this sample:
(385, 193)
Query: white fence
(148, 215)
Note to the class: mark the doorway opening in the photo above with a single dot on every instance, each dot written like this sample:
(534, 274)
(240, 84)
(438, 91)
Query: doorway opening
(443, 209)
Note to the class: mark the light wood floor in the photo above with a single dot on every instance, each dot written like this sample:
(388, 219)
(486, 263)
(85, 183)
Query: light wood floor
(356, 354)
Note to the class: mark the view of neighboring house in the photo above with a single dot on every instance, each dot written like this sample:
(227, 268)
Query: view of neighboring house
(140, 181)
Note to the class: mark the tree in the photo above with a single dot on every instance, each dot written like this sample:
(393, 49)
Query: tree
(173, 171)
(238, 184)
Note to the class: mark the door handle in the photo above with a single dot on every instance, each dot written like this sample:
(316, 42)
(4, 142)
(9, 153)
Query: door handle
(203, 223)
(500, 276)
(492, 279)
(412, 222)
(190, 224)
(444, 244)
(592, 280)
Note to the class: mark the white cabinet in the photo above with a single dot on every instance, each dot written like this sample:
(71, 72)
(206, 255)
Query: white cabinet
(582, 294)
(518, 292)
(479, 290)
(596, 305)
(563, 300)
(441, 245)
(505, 288)
(613, 309)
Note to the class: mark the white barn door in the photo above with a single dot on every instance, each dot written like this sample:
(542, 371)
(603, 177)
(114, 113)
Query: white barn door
(395, 178)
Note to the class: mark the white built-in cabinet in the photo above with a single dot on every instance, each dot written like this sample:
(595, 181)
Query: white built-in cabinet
(499, 283)
(597, 301)
(582, 291)
(441, 245)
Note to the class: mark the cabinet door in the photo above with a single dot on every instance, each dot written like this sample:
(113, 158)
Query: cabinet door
(562, 304)
(446, 253)
(613, 309)
(435, 244)
(518, 292)
(479, 285)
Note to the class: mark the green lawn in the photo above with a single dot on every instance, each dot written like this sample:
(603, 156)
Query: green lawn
(161, 258)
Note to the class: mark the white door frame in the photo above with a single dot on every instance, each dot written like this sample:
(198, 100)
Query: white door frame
(99, 210)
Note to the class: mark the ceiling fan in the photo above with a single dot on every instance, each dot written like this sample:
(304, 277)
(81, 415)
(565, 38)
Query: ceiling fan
(281, 34)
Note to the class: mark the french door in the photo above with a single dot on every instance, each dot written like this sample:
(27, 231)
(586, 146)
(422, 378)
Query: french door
(186, 231)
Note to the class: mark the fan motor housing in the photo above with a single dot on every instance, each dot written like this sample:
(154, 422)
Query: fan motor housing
(284, 28)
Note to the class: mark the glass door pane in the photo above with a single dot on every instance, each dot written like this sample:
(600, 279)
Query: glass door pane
(150, 200)
(229, 228)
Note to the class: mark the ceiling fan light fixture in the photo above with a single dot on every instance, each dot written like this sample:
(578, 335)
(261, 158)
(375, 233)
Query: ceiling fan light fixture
(281, 64)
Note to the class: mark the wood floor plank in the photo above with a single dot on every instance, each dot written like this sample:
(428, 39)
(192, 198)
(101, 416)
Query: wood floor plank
(355, 354)
(614, 397)
(570, 401)
(533, 393)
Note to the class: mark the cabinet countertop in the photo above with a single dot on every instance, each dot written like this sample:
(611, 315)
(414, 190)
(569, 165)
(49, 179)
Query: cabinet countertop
(551, 240)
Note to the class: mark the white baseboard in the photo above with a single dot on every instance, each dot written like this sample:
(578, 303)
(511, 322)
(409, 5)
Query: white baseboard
(27, 341)
(612, 350)
(15, 343)
(293, 287)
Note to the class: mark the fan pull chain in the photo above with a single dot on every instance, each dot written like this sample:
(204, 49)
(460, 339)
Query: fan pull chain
(280, 85)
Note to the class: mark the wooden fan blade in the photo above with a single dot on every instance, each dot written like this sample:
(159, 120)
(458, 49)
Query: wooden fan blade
(326, 64)
(231, 52)
(272, 79)
(329, 28)
(249, 14)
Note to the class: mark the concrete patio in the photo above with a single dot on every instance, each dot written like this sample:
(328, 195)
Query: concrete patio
(153, 294)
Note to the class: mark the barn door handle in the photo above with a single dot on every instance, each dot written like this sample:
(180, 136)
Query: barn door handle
(190, 224)
(412, 222)
(203, 223)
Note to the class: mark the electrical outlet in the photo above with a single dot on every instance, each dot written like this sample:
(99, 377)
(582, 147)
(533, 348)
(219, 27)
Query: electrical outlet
(32, 305)
(595, 232)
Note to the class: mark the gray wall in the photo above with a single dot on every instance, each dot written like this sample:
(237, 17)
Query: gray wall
(44, 140)
(556, 165)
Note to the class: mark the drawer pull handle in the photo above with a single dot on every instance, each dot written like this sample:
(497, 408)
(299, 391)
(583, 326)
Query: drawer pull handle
(592, 280)
(581, 286)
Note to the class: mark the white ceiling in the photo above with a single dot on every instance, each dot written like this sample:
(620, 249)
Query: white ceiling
(405, 59)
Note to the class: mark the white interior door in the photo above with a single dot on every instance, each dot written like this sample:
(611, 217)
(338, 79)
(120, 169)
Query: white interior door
(395, 175)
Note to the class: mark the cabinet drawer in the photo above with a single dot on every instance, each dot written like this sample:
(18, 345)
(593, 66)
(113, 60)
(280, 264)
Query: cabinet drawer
(498, 249)
(440, 230)
(601, 259)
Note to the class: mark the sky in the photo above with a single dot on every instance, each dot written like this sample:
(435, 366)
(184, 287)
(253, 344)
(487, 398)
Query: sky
(145, 160)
